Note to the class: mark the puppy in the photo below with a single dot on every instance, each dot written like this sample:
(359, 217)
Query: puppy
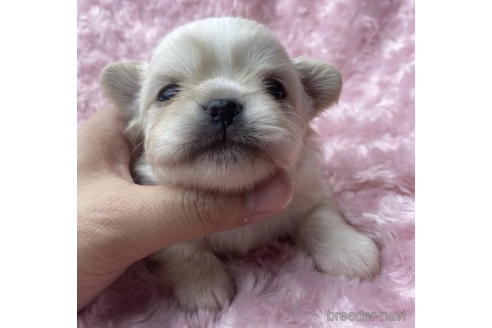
(222, 107)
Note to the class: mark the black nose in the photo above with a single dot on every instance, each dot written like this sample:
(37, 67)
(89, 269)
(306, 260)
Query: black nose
(223, 111)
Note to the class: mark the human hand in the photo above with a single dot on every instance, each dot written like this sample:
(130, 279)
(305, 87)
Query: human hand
(120, 222)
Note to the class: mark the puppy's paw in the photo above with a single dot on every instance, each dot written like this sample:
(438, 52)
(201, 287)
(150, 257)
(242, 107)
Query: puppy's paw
(213, 291)
(349, 253)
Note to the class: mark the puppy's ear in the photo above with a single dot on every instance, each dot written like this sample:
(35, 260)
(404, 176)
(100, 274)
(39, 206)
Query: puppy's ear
(121, 84)
(321, 81)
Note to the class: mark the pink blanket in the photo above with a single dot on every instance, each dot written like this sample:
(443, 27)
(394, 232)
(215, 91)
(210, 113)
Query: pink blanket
(368, 141)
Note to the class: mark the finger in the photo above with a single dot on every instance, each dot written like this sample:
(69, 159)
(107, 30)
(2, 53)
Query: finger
(162, 216)
(102, 144)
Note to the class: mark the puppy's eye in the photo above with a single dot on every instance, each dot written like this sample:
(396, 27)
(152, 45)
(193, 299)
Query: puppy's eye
(168, 92)
(275, 88)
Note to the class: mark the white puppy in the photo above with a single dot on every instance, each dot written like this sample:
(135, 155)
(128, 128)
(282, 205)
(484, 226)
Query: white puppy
(222, 107)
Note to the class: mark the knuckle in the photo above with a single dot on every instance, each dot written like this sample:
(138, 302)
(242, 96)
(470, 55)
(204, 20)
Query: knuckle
(108, 214)
(201, 208)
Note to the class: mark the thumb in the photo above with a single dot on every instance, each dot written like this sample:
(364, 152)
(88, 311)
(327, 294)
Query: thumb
(165, 215)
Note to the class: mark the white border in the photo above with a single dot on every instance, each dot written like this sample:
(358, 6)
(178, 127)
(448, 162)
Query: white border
(38, 93)
(453, 172)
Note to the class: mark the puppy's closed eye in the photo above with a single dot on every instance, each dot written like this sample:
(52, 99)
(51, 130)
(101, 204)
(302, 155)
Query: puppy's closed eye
(168, 92)
(275, 88)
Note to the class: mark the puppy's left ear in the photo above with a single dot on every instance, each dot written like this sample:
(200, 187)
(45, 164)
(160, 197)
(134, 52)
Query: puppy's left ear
(321, 81)
(121, 84)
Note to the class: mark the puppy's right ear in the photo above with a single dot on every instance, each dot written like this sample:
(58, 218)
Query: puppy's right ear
(321, 81)
(121, 84)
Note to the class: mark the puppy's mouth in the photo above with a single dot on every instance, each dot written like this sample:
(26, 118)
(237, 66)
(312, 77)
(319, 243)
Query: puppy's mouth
(223, 147)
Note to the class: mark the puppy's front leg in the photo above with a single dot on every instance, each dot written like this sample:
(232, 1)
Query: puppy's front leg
(198, 278)
(336, 247)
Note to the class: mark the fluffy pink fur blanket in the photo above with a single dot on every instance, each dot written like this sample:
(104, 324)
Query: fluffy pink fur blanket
(368, 142)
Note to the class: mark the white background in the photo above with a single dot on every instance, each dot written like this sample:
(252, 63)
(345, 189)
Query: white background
(38, 131)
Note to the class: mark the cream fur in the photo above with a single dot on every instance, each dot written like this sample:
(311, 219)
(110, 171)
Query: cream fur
(230, 57)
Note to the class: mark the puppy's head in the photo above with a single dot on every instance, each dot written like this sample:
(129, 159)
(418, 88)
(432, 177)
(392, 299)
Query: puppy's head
(220, 105)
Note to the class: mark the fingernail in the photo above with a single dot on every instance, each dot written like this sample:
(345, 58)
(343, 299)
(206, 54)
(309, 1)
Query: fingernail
(272, 196)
